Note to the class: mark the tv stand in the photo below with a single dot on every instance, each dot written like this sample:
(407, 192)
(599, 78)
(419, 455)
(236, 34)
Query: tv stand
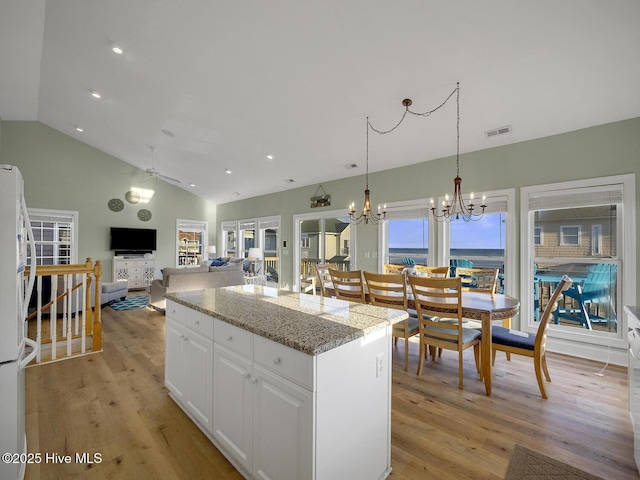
(138, 272)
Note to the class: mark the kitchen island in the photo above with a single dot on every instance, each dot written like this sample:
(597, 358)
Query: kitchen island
(285, 385)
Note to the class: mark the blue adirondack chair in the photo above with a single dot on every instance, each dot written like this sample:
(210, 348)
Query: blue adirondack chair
(462, 262)
(595, 290)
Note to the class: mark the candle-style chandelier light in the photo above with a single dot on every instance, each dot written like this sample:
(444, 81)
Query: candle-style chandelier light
(367, 215)
(454, 208)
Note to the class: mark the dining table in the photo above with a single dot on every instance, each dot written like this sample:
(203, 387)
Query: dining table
(485, 307)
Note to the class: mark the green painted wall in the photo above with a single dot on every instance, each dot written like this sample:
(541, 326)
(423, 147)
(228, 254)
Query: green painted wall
(605, 150)
(62, 173)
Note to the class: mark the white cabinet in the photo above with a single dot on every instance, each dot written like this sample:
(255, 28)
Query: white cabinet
(276, 412)
(189, 362)
(137, 272)
(233, 404)
(259, 417)
(282, 428)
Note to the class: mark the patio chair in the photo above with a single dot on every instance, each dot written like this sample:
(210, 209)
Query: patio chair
(390, 290)
(595, 291)
(527, 344)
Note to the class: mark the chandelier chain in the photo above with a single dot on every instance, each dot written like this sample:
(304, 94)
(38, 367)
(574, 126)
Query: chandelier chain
(418, 114)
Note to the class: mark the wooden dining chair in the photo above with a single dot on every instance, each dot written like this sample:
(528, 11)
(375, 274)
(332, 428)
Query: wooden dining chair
(527, 344)
(347, 285)
(390, 290)
(393, 268)
(323, 278)
(483, 280)
(436, 299)
(425, 271)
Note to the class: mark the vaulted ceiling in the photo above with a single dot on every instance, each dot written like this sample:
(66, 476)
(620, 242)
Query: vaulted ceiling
(220, 85)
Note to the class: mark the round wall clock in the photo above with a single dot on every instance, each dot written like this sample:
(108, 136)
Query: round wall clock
(144, 214)
(115, 205)
(132, 197)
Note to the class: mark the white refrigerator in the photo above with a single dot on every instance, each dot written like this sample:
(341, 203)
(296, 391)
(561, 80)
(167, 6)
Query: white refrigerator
(16, 351)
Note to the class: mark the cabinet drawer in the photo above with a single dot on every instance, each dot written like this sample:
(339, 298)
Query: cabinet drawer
(126, 263)
(147, 263)
(232, 337)
(176, 312)
(200, 323)
(285, 361)
(135, 271)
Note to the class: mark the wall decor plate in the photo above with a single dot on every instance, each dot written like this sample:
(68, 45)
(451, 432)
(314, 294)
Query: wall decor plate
(144, 214)
(115, 205)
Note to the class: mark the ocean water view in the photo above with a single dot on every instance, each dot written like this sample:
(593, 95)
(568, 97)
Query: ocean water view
(480, 257)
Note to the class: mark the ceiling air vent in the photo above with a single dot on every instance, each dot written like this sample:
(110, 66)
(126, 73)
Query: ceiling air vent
(350, 166)
(498, 131)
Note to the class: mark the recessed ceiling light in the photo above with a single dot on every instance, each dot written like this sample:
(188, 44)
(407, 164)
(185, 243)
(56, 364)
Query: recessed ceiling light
(168, 133)
(192, 184)
(117, 49)
(237, 194)
(96, 94)
(289, 180)
(269, 157)
(227, 171)
(79, 129)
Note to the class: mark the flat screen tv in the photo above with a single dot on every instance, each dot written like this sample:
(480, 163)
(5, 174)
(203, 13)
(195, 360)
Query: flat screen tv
(132, 239)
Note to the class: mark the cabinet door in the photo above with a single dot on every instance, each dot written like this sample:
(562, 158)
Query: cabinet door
(198, 377)
(282, 416)
(174, 358)
(232, 403)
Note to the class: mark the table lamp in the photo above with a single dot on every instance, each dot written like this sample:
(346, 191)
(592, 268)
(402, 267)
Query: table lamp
(255, 254)
(211, 251)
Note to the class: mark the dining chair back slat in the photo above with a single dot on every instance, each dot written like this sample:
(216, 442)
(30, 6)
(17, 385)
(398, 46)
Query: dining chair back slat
(348, 285)
(390, 290)
(323, 278)
(478, 279)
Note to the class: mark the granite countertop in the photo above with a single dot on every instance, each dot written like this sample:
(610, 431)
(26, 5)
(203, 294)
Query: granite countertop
(308, 323)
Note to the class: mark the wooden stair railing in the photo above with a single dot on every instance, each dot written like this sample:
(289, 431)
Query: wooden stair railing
(79, 278)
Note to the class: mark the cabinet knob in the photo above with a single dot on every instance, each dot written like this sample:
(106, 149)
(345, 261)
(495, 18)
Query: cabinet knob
(246, 375)
(230, 338)
(277, 361)
(254, 380)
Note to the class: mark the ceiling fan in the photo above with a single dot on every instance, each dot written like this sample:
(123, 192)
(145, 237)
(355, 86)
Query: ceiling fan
(153, 173)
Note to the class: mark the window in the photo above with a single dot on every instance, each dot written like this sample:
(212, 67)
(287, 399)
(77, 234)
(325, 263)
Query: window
(596, 239)
(485, 243)
(238, 236)
(320, 238)
(537, 235)
(55, 235)
(590, 312)
(191, 241)
(229, 239)
(405, 234)
(570, 235)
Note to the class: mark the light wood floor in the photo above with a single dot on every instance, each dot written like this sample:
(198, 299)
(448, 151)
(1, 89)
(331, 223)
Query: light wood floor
(114, 403)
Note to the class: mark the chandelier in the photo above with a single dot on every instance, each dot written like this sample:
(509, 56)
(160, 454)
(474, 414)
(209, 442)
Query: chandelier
(367, 215)
(454, 208)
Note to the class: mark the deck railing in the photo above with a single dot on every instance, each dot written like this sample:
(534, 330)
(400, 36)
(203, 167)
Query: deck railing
(75, 289)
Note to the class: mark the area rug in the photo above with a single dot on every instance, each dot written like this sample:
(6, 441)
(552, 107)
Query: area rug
(527, 464)
(129, 303)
